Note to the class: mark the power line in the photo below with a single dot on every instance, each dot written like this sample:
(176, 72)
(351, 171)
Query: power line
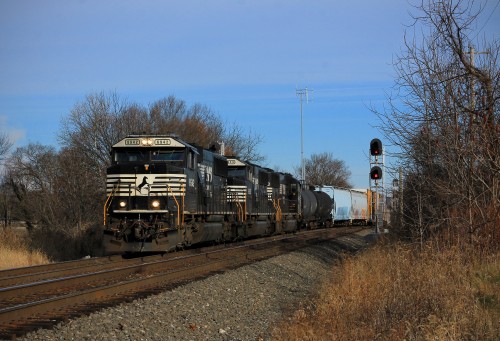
(487, 20)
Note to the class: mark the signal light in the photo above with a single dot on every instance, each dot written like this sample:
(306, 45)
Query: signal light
(376, 147)
(376, 173)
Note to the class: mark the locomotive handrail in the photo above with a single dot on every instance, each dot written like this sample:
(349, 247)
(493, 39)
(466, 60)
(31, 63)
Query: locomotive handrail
(277, 207)
(245, 211)
(281, 211)
(183, 196)
(110, 199)
(240, 211)
(177, 203)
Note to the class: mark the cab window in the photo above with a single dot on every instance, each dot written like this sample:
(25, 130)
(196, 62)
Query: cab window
(168, 155)
(191, 160)
(130, 156)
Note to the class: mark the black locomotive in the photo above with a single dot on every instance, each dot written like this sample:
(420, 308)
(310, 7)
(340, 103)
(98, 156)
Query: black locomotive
(164, 193)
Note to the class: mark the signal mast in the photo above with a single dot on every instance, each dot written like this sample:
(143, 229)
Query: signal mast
(377, 183)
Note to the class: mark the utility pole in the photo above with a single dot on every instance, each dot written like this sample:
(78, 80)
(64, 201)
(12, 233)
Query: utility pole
(472, 52)
(472, 119)
(302, 93)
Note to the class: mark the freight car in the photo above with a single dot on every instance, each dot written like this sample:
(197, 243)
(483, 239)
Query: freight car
(164, 193)
(350, 206)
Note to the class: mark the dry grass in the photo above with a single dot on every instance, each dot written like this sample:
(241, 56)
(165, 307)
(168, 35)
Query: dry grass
(400, 292)
(14, 252)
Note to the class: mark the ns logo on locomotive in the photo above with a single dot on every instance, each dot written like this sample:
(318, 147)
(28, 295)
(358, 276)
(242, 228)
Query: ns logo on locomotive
(164, 194)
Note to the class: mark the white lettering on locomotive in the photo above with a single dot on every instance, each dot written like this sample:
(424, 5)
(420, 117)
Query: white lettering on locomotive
(202, 171)
(132, 142)
(163, 142)
(210, 175)
(235, 162)
(282, 189)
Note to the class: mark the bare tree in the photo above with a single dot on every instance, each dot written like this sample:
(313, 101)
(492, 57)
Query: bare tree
(101, 120)
(95, 124)
(198, 124)
(243, 144)
(5, 145)
(57, 198)
(166, 115)
(445, 120)
(201, 126)
(324, 169)
(32, 170)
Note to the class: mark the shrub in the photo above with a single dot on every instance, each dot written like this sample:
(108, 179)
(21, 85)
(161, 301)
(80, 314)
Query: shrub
(396, 292)
(15, 253)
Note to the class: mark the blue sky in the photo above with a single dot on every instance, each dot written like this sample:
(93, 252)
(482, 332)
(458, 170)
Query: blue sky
(244, 59)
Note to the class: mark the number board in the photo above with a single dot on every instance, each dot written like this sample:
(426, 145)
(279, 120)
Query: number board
(132, 142)
(163, 142)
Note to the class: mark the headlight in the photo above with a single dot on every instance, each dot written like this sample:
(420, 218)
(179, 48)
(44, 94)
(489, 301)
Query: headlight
(155, 203)
(147, 142)
(122, 204)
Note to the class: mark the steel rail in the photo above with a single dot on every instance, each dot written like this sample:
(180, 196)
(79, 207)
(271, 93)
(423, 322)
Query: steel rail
(193, 266)
(54, 273)
(50, 287)
(35, 273)
(61, 305)
(30, 270)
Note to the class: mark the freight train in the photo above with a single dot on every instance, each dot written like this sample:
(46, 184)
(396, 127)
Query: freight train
(164, 194)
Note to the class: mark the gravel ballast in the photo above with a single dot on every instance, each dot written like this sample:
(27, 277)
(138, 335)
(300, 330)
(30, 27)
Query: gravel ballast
(241, 304)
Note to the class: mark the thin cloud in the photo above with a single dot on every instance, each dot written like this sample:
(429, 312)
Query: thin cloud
(15, 135)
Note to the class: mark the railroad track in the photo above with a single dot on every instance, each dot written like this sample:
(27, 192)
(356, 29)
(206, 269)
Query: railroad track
(42, 296)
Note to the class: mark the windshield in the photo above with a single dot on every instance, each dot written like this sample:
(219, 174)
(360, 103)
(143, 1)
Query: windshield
(237, 172)
(131, 156)
(145, 155)
(168, 155)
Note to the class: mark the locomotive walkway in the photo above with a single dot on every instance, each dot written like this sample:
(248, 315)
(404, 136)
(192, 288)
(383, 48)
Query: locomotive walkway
(41, 296)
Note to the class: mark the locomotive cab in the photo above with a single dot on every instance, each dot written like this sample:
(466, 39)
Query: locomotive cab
(151, 185)
(147, 176)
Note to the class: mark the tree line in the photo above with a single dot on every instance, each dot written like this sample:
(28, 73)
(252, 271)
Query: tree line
(443, 117)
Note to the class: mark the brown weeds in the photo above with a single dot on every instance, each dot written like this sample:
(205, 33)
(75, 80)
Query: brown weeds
(14, 253)
(402, 292)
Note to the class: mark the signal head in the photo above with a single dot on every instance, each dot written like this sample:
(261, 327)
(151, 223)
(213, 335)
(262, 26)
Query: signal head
(376, 147)
(376, 173)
